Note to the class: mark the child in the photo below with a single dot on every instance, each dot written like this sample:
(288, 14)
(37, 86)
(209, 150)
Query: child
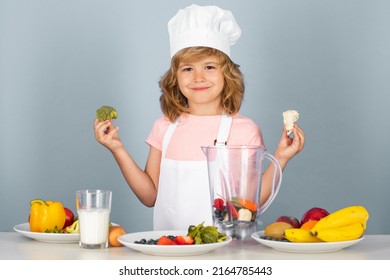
(201, 96)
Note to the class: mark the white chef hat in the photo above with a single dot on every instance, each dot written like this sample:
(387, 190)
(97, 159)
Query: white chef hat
(203, 26)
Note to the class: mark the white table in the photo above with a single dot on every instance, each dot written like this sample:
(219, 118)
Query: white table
(14, 246)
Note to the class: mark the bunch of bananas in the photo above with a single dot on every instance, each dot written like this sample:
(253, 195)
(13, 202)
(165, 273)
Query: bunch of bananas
(344, 224)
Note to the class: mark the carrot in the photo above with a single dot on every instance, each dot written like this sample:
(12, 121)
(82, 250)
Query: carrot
(248, 204)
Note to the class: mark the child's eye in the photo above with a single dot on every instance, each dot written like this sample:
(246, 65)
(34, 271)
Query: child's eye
(210, 67)
(186, 69)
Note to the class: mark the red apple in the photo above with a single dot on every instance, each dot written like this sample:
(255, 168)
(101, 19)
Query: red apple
(314, 213)
(290, 220)
(69, 217)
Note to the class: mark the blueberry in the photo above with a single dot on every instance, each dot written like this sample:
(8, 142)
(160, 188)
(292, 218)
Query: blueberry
(151, 242)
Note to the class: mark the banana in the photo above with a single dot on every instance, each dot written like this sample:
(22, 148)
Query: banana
(74, 228)
(300, 235)
(343, 217)
(342, 233)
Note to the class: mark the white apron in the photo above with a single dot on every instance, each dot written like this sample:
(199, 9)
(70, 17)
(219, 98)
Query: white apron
(183, 197)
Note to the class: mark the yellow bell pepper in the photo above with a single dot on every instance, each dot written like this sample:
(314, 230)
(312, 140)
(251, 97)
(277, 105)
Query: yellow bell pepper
(46, 215)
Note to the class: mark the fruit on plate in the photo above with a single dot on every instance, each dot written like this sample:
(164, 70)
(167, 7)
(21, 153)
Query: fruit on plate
(343, 233)
(289, 219)
(195, 235)
(184, 240)
(175, 240)
(315, 213)
(309, 224)
(106, 113)
(164, 240)
(69, 219)
(73, 228)
(347, 223)
(113, 233)
(167, 240)
(300, 235)
(276, 230)
(318, 225)
(345, 216)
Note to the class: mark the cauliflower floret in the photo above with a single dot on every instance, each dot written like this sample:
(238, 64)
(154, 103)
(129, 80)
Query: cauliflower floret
(289, 118)
(244, 215)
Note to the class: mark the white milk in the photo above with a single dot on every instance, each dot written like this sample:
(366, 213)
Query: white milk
(94, 224)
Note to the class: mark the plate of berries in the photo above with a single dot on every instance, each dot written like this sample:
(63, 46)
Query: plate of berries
(169, 243)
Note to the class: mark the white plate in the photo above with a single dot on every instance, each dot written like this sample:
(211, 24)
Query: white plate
(167, 250)
(292, 247)
(47, 237)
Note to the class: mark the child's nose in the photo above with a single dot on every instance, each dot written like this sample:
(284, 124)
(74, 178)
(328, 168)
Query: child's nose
(199, 76)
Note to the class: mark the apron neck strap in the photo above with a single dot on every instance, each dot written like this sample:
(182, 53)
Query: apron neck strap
(223, 131)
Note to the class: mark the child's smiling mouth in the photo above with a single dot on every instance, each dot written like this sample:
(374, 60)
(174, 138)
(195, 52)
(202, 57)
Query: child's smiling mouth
(200, 88)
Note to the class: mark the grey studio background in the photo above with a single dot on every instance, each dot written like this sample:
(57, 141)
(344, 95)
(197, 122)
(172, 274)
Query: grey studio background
(61, 60)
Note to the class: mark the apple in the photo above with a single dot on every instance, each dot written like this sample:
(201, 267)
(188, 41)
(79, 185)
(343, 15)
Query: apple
(315, 213)
(69, 217)
(290, 220)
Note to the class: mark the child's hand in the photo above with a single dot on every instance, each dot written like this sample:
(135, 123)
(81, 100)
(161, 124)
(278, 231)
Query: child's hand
(288, 147)
(107, 135)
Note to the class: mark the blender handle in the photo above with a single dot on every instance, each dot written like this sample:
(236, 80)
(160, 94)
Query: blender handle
(275, 185)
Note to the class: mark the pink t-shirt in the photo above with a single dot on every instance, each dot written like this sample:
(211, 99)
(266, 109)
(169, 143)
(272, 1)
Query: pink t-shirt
(193, 132)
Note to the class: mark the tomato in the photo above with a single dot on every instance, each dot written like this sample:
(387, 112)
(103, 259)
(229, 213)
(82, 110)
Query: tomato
(69, 217)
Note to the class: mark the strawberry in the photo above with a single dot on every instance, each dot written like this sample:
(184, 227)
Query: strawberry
(163, 240)
(184, 240)
(231, 209)
(218, 204)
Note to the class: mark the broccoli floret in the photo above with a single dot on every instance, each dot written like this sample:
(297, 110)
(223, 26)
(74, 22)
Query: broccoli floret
(106, 113)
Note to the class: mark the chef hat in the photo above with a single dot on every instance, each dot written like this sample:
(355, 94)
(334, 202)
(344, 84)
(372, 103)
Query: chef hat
(203, 26)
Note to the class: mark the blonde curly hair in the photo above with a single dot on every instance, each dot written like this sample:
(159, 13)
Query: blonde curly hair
(173, 103)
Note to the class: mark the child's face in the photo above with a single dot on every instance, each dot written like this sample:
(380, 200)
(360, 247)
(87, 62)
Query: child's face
(202, 82)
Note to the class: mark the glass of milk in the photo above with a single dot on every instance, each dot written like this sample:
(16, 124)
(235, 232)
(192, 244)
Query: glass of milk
(93, 209)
